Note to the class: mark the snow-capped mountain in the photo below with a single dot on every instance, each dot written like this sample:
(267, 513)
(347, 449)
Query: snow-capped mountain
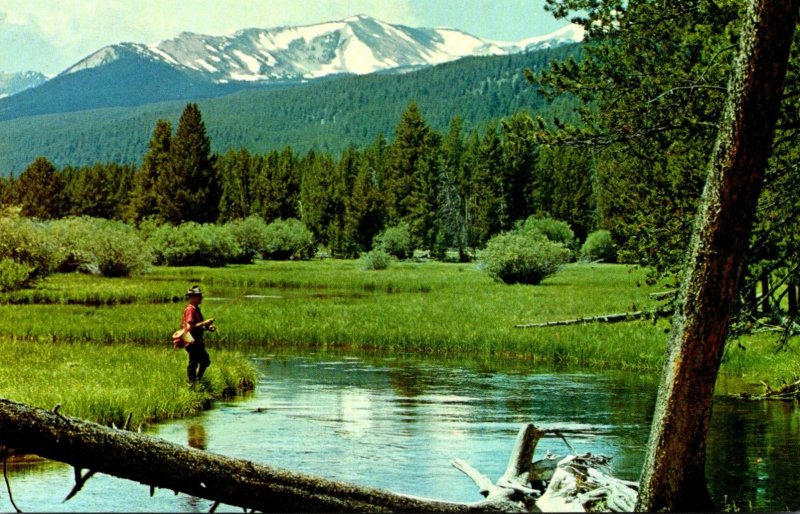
(195, 66)
(356, 45)
(568, 34)
(11, 83)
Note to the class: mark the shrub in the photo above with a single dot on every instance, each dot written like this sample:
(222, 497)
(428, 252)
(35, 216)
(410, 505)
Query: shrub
(251, 234)
(99, 246)
(14, 275)
(554, 230)
(193, 244)
(599, 246)
(287, 239)
(376, 260)
(518, 257)
(395, 241)
(27, 242)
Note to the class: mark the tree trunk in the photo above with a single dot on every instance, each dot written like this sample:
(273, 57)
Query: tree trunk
(765, 306)
(673, 477)
(161, 464)
(791, 294)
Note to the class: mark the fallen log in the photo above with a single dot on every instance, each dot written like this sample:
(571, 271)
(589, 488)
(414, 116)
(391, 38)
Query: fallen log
(786, 392)
(603, 318)
(160, 464)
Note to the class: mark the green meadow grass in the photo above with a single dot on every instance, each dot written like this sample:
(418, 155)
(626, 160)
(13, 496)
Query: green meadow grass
(420, 307)
(107, 383)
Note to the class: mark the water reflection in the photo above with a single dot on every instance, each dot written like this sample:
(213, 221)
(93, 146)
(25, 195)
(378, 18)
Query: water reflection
(398, 423)
(196, 435)
(754, 453)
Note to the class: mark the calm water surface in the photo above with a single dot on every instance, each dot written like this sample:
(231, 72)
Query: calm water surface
(397, 424)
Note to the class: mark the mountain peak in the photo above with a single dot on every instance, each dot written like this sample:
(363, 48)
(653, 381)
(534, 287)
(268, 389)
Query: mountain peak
(11, 83)
(192, 65)
(358, 44)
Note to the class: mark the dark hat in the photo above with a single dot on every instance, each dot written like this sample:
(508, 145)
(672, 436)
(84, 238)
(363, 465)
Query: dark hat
(194, 290)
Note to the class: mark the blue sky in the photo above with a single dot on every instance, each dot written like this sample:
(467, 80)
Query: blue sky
(50, 35)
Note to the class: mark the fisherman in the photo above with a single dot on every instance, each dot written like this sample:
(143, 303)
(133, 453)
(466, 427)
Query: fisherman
(195, 325)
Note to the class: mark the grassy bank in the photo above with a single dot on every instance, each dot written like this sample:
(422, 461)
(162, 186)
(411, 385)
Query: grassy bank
(107, 383)
(411, 307)
(426, 307)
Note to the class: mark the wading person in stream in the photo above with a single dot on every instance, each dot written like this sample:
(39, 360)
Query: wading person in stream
(194, 327)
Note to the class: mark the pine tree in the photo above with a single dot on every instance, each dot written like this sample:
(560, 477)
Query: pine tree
(488, 208)
(452, 199)
(365, 211)
(519, 156)
(236, 170)
(408, 148)
(144, 200)
(651, 83)
(315, 201)
(189, 190)
(96, 192)
(40, 191)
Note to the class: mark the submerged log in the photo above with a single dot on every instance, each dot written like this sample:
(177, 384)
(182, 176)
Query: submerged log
(160, 464)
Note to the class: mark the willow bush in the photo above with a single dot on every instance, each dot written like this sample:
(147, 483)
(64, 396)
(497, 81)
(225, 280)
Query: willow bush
(522, 257)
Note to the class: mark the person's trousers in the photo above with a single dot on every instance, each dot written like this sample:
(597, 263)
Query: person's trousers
(198, 360)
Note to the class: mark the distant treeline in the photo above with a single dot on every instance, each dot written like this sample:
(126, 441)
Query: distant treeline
(453, 190)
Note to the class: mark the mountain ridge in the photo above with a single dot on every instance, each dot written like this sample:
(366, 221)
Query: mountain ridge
(327, 114)
(193, 66)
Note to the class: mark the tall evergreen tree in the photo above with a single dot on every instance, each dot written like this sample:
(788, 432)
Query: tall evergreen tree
(144, 200)
(365, 212)
(40, 191)
(488, 207)
(408, 147)
(673, 475)
(96, 192)
(422, 202)
(520, 156)
(236, 170)
(453, 192)
(189, 190)
(316, 204)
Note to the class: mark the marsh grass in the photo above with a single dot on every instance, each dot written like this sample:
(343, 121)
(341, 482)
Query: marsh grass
(420, 307)
(106, 383)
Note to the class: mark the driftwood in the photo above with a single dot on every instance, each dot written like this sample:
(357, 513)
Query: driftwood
(572, 484)
(514, 484)
(160, 464)
(578, 485)
(603, 318)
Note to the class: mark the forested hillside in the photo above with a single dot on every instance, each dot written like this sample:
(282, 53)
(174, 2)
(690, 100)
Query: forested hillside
(328, 115)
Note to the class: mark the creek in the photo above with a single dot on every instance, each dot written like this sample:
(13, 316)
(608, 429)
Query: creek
(397, 423)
